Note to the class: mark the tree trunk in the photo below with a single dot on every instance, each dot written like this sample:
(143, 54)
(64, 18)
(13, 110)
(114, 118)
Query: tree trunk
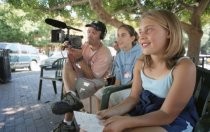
(194, 30)
(194, 45)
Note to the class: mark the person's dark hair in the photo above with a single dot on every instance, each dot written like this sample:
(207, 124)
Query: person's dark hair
(131, 31)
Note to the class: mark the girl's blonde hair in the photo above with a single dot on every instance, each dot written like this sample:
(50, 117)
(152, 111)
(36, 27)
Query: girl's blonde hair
(175, 48)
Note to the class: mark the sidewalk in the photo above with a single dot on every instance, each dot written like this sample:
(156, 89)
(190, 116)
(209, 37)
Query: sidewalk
(20, 111)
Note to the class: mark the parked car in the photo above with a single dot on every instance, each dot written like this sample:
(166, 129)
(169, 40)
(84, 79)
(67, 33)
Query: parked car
(42, 57)
(55, 55)
(21, 56)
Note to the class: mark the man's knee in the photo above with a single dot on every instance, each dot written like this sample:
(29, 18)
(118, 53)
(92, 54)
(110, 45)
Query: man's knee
(68, 72)
(69, 77)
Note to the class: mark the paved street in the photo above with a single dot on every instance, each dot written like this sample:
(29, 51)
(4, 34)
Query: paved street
(20, 111)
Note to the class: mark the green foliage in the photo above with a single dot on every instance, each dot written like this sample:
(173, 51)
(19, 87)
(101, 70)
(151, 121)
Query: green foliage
(10, 29)
(157, 4)
(9, 34)
(118, 5)
(17, 25)
(84, 12)
(33, 13)
(206, 16)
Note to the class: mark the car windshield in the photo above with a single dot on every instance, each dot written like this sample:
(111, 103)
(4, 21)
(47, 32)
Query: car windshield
(2, 46)
(59, 54)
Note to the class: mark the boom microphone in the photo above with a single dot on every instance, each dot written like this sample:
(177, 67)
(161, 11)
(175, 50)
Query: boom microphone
(69, 27)
(59, 24)
(55, 23)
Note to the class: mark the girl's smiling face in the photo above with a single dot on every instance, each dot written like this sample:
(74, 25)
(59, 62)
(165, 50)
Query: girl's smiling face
(153, 37)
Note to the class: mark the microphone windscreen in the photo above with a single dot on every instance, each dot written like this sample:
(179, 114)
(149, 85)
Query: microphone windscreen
(55, 23)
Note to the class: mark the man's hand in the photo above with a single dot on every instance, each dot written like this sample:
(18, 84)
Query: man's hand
(74, 54)
(116, 46)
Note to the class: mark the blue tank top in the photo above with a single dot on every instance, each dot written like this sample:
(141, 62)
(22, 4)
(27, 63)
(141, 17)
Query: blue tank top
(158, 87)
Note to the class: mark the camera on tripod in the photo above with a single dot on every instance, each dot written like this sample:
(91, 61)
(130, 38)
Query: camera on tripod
(59, 36)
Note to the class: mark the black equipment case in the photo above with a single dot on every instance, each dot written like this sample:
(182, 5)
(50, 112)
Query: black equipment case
(5, 71)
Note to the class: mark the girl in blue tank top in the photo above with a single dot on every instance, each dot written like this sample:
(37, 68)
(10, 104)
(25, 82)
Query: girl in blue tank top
(163, 82)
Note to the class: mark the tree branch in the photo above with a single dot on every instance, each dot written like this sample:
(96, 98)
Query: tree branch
(142, 7)
(188, 7)
(202, 6)
(97, 6)
(186, 27)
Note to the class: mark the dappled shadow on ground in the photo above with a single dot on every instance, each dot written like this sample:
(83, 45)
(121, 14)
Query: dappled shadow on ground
(21, 111)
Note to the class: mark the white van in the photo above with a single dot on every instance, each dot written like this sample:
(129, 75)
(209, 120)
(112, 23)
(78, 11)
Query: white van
(21, 56)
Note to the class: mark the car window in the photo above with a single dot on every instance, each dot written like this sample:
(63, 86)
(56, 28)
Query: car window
(13, 58)
(33, 50)
(59, 54)
(13, 48)
(24, 49)
(2, 46)
(24, 58)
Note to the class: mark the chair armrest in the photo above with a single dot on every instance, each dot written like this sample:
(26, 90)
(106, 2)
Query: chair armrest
(55, 65)
(46, 67)
(108, 91)
(203, 124)
(58, 64)
(43, 67)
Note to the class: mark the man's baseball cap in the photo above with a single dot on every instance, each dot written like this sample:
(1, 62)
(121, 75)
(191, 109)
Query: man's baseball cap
(99, 26)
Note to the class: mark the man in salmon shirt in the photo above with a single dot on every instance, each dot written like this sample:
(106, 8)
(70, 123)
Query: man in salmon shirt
(83, 73)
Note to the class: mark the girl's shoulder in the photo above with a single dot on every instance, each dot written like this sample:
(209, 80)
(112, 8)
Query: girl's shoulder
(184, 61)
(184, 65)
(139, 64)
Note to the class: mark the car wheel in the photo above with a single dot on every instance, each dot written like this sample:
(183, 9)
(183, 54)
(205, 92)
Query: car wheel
(33, 66)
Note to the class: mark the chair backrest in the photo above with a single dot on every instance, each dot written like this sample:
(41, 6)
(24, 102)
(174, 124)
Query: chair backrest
(202, 89)
(58, 67)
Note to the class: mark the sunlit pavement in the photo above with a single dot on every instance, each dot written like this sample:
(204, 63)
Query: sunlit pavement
(20, 111)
